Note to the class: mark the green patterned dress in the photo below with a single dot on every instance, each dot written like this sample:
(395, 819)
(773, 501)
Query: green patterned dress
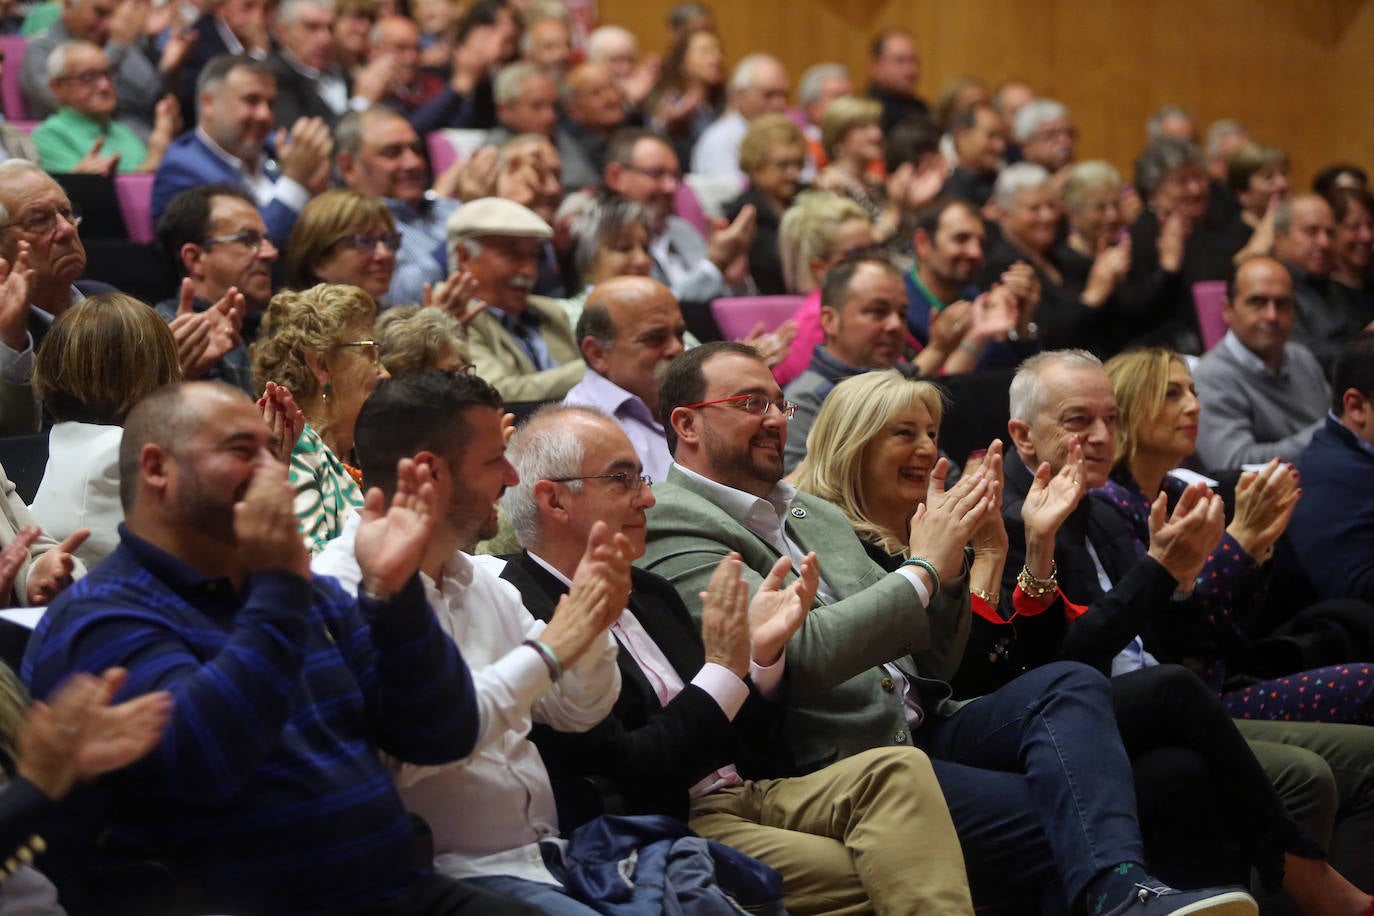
(325, 491)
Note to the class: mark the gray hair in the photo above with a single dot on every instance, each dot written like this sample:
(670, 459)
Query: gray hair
(1027, 393)
(287, 10)
(1022, 176)
(1033, 116)
(1158, 159)
(15, 166)
(348, 136)
(1154, 127)
(814, 80)
(527, 35)
(1283, 213)
(600, 41)
(599, 221)
(1219, 131)
(743, 76)
(1086, 178)
(510, 80)
(56, 65)
(542, 449)
(471, 247)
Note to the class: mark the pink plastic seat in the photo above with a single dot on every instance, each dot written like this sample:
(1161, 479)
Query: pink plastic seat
(1209, 297)
(16, 109)
(135, 194)
(736, 317)
(441, 152)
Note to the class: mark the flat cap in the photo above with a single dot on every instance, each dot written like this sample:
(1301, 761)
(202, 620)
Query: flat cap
(496, 216)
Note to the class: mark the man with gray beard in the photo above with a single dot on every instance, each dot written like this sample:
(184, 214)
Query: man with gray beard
(630, 330)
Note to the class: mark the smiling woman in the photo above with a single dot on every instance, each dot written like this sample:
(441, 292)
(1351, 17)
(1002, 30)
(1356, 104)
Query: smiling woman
(345, 237)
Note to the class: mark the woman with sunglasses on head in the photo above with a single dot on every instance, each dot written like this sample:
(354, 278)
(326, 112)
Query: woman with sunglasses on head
(319, 345)
(1208, 811)
(345, 237)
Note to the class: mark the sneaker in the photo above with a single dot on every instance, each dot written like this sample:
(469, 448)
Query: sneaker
(1152, 898)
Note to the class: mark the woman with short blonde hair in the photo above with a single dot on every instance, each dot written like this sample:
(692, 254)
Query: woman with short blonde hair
(318, 344)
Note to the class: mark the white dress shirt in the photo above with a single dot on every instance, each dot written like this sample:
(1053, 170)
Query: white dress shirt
(490, 811)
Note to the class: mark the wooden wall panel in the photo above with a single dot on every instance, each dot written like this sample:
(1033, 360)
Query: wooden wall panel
(1299, 73)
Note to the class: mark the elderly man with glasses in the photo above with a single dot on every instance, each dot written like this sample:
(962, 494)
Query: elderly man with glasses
(219, 242)
(42, 259)
(83, 136)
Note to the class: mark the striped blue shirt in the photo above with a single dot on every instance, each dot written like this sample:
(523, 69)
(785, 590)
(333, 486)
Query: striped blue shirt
(266, 793)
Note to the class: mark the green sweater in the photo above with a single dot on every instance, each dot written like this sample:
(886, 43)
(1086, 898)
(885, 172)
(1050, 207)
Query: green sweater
(64, 138)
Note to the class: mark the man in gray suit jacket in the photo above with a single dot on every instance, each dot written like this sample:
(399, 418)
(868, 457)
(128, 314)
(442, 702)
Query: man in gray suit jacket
(1035, 776)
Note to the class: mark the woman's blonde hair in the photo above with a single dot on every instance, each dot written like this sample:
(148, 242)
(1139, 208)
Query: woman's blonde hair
(101, 357)
(307, 322)
(843, 115)
(1140, 382)
(325, 220)
(766, 132)
(853, 415)
(807, 232)
(413, 338)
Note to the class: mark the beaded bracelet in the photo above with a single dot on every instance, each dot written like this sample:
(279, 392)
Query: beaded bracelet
(1034, 587)
(929, 567)
(979, 593)
(550, 658)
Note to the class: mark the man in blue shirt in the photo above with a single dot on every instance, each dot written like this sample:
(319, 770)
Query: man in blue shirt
(267, 793)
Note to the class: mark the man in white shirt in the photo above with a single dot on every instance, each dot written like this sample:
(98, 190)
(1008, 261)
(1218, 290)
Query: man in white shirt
(492, 815)
(758, 86)
(692, 735)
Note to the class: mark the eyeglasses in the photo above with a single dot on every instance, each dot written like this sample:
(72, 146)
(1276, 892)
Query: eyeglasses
(368, 241)
(631, 482)
(755, 404)
(370, 349)
(87, 77)
(41, 224)
(672, 175)
(251, 239)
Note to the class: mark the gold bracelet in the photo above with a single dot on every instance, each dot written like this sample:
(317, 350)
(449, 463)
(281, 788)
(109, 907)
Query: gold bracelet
(979, 593)
(1034, 587)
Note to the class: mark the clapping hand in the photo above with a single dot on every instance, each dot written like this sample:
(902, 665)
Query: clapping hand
(777, 612)
(1265, 501)
(946, 521)
(391, 539)
(1182, 542)
(13, 558)
(1052, 499)
(52, 572)
(283, 418)
(266, 533)
(599, 593)
(455, 296)
(77, 735)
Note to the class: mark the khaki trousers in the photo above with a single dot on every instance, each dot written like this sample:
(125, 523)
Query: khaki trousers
(868, 834)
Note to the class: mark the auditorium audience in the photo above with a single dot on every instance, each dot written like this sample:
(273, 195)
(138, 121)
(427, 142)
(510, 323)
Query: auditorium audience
(561, 256)
(773, 157)
(379, 154)
(1263, 394)
(521, 343)
(629, 332)
(689, 736)
(1352, 246)
(690, 92)
(853, 677)
(317, 343)
(851, 472)
(219, 243)
(88, 400)
(82, 136)
(234, 111)
(343, 237)
(281, 755)
(894, 69)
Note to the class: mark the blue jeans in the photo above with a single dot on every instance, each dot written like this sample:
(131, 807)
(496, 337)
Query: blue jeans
(1038, 784)
(548, 898)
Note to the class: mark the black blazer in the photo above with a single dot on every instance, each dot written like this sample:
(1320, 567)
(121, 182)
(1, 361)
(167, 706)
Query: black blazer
(297, 96)
(647, 754)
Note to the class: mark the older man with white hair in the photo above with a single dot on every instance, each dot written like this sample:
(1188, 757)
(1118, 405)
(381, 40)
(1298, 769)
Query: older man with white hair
(1045, 133)
(618, 48)
(758, 86)
(521, 344)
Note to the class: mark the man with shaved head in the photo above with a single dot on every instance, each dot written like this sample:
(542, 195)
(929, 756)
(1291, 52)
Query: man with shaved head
(630, 330)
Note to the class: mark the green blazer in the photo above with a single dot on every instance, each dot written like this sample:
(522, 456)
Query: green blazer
(503, 363)
(840, 700)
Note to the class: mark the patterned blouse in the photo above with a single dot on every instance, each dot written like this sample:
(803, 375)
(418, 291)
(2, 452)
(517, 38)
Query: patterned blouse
(325, 490)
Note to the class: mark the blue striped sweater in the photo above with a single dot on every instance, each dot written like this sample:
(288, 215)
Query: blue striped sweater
(267, 793)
